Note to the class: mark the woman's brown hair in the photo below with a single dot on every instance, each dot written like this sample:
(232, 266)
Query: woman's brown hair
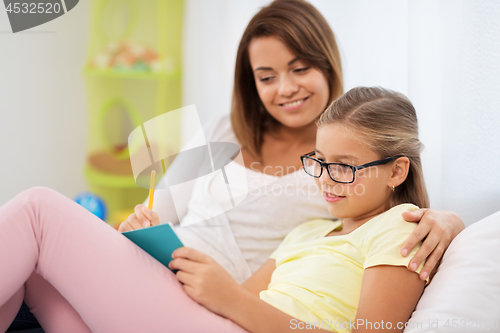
(306, 33)
(387, 122)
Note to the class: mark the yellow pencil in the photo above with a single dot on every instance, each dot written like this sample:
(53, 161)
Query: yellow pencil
(151, 190)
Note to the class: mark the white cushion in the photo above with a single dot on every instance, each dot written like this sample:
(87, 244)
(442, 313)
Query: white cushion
(464, 295)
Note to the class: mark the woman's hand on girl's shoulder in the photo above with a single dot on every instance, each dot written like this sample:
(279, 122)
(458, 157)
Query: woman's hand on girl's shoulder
(436, 228)
(141, 218)
(205, 280)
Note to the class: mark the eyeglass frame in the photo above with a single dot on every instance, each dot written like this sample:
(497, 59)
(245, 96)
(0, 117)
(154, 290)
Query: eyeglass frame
(354, 168)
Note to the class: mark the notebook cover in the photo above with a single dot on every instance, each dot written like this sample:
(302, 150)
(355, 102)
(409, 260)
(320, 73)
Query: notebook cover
(159, 241)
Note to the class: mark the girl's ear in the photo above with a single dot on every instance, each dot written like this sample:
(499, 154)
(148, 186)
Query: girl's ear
(399, 172)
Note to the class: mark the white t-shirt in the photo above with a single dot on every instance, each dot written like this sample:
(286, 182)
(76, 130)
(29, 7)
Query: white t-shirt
(242, 237)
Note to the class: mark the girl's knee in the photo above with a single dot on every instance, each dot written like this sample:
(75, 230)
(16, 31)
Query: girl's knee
(40, 194)
(39, 191)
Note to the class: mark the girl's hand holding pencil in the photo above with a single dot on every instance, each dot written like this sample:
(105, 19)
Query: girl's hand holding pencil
(143, 216)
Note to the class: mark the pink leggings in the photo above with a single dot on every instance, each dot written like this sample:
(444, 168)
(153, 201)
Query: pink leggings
(77, 274)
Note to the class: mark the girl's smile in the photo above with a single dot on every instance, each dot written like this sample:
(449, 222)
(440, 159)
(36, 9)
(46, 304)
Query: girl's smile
(329, 197)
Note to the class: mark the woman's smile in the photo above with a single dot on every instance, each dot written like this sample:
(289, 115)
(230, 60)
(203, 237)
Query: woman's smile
(294, 105)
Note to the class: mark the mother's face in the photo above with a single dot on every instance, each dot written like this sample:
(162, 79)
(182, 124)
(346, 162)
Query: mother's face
(293, 92)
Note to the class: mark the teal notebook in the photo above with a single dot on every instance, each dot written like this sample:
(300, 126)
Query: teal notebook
(159, 241)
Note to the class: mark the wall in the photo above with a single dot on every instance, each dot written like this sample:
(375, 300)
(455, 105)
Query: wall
(43, 104)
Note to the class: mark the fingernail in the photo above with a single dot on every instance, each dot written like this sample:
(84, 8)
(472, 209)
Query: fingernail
(413, 266)
(424, 275)
(146, 223)
(405, 252)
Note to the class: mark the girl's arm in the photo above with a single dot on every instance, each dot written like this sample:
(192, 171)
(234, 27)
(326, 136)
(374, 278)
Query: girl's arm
(260, 280)
(209, 284)
(257, 316)
(389, 295)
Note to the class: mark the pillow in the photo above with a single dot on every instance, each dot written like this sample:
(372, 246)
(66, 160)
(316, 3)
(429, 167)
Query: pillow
(464, 295)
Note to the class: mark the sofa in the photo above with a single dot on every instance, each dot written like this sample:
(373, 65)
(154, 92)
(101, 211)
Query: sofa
(464, 295)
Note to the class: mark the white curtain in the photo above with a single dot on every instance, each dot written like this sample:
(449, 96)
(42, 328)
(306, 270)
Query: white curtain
(444, 55)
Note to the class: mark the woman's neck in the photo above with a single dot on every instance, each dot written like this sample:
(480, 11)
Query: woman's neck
(305, 135)
(281, 150)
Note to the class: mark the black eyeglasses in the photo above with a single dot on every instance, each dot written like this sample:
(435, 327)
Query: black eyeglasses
(338, 172)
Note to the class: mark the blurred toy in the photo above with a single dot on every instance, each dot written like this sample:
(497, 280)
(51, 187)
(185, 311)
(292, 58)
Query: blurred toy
(127, 55)
(92, 203)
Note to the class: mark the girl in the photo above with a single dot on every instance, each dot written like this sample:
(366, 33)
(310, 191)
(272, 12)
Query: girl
(340, 275)
(345, 275)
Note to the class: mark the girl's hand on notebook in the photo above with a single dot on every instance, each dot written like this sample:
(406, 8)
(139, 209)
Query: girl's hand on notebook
(141, 218)
(205, 280)
(437, 229)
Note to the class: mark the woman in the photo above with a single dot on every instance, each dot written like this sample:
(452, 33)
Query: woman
(287, 71)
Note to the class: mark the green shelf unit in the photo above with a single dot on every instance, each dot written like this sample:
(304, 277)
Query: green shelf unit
(132, 74)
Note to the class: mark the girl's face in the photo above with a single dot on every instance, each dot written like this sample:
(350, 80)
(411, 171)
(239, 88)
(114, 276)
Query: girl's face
(293, 92)
(369, 195)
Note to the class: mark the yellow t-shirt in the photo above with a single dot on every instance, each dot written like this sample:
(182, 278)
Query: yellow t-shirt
(318, 279)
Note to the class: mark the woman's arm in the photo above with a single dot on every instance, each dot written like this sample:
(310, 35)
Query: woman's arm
(215, 130)
(437, 229)
(389, 295)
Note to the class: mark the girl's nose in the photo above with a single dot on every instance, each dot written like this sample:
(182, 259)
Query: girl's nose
(287, 86)
(325, 178)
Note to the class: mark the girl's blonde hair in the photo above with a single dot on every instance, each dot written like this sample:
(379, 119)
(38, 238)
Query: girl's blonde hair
(387, 122)
(306, 33)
